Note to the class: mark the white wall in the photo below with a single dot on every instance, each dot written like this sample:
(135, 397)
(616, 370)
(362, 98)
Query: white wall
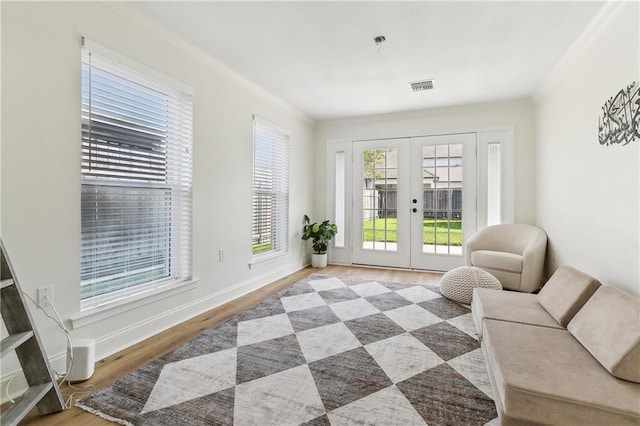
(588, 193)
(471, 118)
(41, 166)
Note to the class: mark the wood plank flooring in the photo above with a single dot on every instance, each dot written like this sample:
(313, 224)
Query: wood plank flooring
(118, 365)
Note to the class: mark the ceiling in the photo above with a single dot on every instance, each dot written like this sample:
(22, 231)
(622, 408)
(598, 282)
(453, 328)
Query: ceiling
(321, 58)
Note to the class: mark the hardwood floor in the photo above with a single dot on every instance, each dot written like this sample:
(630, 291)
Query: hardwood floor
(118, 365)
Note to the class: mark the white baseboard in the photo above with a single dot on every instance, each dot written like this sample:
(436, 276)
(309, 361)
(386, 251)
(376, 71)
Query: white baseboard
(113, 342)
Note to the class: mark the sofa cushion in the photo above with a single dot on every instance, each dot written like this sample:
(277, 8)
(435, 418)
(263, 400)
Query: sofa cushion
(508, 306)
(499, 260)
(566, 292)
(608, 326)
(543, 375)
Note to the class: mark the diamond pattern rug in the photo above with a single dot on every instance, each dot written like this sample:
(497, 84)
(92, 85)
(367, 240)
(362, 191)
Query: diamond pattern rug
(326, 351)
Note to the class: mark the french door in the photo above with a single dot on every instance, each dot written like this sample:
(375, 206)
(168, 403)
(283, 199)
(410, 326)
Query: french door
(443, 207)
(381, 190)
(413, 201)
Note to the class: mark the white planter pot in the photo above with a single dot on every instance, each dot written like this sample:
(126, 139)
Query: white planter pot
(319, 260)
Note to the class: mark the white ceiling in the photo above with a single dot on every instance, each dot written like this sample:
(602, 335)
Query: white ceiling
(320, 57)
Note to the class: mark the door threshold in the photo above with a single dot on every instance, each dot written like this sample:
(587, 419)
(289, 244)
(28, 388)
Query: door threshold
(393, 268)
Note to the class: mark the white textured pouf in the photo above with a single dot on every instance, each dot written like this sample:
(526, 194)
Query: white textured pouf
(458, 283)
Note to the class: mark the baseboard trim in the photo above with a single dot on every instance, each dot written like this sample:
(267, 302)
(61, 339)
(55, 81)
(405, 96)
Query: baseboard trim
(108, 345)
(166, 320)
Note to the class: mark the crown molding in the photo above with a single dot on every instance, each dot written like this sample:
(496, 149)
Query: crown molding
(607, 13)
(140, 19)
(429, 112)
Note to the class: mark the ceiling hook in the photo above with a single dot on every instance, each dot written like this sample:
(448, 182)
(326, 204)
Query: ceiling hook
(378, 41)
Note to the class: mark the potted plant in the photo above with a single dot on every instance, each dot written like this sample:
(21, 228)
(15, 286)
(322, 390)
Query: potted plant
(320, 234)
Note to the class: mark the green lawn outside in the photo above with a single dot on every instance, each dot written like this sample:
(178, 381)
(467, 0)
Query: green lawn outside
(261, 248)
(434, 231)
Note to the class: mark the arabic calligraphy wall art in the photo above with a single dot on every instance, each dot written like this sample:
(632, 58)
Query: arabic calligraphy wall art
(620, 119)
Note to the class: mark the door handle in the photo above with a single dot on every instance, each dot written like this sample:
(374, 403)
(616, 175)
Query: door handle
(415, 201)
(414, 210)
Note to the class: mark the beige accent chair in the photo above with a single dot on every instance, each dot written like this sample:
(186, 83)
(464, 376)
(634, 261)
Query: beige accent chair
(513, 253)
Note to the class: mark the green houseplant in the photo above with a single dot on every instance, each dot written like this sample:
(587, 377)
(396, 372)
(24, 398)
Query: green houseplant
(320, 235)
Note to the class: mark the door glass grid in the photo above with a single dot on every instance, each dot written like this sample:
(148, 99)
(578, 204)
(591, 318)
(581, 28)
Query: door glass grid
(442, 199)
(379, 199)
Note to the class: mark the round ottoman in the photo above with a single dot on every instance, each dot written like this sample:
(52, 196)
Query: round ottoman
(458, 283)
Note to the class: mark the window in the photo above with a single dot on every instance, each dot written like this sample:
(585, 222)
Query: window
(136, 179)
(494, 183)
(270, 188)
(496, 176)
(340, 211)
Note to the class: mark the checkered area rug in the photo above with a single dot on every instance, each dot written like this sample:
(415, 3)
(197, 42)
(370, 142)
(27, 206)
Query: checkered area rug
(326, 351)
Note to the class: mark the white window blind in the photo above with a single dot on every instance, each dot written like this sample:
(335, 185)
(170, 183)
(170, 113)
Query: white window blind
(270, 188)
(136, 166)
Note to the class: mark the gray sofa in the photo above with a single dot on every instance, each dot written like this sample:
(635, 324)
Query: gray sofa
(569, 355)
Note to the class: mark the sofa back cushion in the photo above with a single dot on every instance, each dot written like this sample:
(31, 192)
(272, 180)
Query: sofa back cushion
(608, 326)
(566, 292)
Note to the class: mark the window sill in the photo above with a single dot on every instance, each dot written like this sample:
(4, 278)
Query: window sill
(108, 310)
(267, 259)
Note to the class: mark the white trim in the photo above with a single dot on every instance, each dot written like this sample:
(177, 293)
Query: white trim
(264, 122)
(137, 332)
(139, 19)
(125, 61)
(395, 255)
(444, 261)
(591, 33)
(505, 135)
(126, 75)
(422, 115)
(268, 257)
(127, 337)
(340, 255)
(278, 166)
(110, 309)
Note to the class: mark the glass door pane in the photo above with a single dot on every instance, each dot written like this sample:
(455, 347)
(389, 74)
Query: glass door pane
(442, 199)
(380, 199)
(381, 214)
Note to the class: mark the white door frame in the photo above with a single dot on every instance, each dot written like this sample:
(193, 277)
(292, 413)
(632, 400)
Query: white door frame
(439, 260)
(397, 254)
(503, 135)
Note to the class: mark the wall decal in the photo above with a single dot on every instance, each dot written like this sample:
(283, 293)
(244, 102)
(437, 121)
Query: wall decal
(620, 119)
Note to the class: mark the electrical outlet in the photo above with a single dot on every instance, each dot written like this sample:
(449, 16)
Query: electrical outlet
(45, 296)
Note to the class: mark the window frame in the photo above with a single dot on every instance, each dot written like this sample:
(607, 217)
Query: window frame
(177, 178)
(279, 235)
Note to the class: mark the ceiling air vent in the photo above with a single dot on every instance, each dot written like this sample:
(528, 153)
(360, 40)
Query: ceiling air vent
(418, 86)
